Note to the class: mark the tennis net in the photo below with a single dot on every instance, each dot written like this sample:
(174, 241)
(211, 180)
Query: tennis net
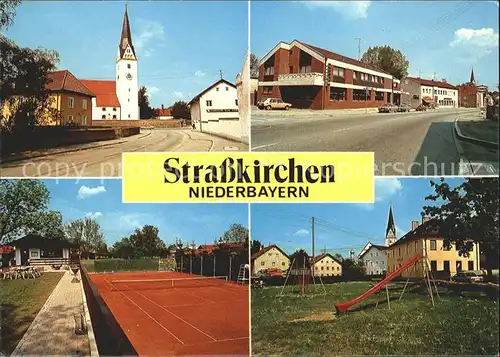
(159, 284)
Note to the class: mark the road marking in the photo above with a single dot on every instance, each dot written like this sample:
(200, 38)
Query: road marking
(263, 146)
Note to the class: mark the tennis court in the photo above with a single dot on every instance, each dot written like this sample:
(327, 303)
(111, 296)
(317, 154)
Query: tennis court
(171, 313)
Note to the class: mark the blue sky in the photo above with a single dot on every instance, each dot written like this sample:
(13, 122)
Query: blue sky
(442, 37)
(102, 199)
(181, 46)
(342, 227)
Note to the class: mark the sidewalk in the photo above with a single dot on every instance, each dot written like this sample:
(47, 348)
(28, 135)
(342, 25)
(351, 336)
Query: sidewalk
(313, 113)
(477, 129)
(53, 330)
(202, 142)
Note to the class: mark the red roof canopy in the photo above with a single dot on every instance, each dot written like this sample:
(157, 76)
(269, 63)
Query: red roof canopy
(105, 92)
(65, 80)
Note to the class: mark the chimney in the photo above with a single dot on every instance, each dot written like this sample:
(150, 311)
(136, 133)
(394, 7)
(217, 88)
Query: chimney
(425, 219)
(414, 225)
(162, 107)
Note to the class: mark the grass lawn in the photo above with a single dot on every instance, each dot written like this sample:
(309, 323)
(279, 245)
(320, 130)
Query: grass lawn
(20, 302)
(456, 325)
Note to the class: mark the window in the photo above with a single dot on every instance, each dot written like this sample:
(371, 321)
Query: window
(433, 244)
(359, 94)
(129, 100)
(282, 264)
(305, 69)
(416, 96)
(338, 94)
(71, 102)
(128, 65)
(103, 109)
(434, 265)
(470, 265)
(269, 71)
(103, 116)
(274, 263)
(227, 89)
(217, 89)
(70, 118)
(209, 103)
(84, 120)
(262, 263)
(84, 103)
(327, 268)
(129, 89)
(236, 101)
(459, 265)
(129, 116)
(114, 116)
(267, 90)
(337, 71)
(354, 75)
(446, 265)
(379, 96)
(114, 109)
(33, 254)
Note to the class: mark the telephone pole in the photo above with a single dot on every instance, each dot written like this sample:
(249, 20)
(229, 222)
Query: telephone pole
(359, 47)
(312, 236)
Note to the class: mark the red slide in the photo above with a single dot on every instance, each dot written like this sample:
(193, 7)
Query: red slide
(344, 306)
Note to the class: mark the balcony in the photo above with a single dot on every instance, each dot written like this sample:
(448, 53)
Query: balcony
(301, 79)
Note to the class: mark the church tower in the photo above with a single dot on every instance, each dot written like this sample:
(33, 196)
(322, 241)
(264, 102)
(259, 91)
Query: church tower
(472, 79)
(127, 81)
(390, 232)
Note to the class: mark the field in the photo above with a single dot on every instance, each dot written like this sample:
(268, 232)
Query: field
(294, 325)
(20, 302)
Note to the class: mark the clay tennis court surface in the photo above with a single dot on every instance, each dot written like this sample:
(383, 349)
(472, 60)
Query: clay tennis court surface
(158, 319)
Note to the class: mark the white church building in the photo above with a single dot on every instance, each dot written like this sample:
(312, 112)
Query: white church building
(119, 99)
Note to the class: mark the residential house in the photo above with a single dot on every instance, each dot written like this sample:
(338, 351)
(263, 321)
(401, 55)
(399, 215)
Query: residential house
(215, 110)
(311, 77)
(374, 259)
(38, 250)
(426, 238)
(326, 265)
(163, 113)
(269, 257)
(119, 99)
(429, 92)
(471, 95)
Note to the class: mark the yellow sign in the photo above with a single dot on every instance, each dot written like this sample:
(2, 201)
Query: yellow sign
(248, 177)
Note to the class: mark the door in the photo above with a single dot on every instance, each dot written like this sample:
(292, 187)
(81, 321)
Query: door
(24, 256)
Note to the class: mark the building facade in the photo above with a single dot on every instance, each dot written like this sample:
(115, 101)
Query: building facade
(119, 99)
(426, 239)
(471, 95)
(326, 265)
(429, 92)
(269, 257)
(374, 259)
(215, 110)
(314, 78)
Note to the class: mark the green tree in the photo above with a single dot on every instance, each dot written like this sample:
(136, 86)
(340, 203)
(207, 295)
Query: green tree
(387, 59)
(467, 214)
(255, 247)
(353, 270)
(300, 260)
(338, 256)
(7, 13)
(122, 249)
(24, 209)
(147, 243)
(86, 233)
(180, 110)
(145, 110)
(235, 234)
(254, 66)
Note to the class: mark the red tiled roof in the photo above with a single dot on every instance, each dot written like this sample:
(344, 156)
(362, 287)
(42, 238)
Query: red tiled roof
(264, 250)
(64, 80)
(165, 112)
(105, 92)
(341, 58)
(432, 83)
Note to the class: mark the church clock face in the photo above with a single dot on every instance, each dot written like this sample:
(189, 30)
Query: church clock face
(129, 76)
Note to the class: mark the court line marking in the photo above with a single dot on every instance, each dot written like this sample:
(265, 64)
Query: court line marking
(151, 317)
(170, 312)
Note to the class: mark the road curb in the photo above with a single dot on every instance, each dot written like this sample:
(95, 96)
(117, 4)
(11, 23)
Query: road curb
(9, 160)
(462, 136)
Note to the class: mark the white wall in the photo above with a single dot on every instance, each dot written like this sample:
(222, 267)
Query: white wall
(18, 256)
(98, 112)
(195, 114)
(34, 250)
(127, 89)
(223, 97)
(441, 94)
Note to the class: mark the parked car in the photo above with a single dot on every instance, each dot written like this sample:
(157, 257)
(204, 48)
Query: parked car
(273, 103)
(421, 108)
(467, 277)
(404, 108)
(388, 108)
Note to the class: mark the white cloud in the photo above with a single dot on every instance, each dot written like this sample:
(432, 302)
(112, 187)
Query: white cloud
(150, 34)
(386, 187)
(152, 90)
(178, 94)
(131, 221)
(86, 192)
(301, 232)
(351, 10)
(475, 43)
(93, 215)
(199, 73)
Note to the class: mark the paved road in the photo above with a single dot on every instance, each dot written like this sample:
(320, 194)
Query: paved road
(415, 143)
(105, 161)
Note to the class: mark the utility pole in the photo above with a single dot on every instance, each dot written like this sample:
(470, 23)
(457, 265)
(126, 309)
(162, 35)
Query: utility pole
(220, 71)
(419, 73)
(359, 47)
(312, 236)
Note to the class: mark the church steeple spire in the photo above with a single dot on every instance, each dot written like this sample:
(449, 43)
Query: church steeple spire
(390, 232)
(126, 37)
(472, 79)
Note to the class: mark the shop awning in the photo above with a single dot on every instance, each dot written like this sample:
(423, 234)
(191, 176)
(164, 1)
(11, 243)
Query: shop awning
(428, 100)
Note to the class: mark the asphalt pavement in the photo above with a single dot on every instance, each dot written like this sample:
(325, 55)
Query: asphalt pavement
(414, 143)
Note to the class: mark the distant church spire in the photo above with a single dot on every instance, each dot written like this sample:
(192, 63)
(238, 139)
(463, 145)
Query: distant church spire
(390, 232)
(126, 37)
(472, 79)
